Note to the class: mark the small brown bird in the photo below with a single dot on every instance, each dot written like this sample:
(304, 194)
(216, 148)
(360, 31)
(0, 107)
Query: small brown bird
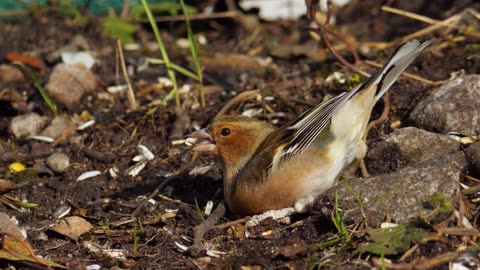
(268, 168)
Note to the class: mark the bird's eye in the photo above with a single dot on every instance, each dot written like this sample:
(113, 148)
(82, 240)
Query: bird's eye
(225, 132)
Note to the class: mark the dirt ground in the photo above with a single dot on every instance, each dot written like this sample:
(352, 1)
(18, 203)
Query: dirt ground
(149, 233)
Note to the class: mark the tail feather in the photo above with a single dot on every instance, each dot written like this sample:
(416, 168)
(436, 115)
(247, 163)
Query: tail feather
(401, 58)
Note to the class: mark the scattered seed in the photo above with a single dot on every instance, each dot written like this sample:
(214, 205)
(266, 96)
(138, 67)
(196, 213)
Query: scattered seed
(113, 172)
(190, 141)
(61, 211)
(41, 138)
(152, 201)
(138, 158)
(202, 39)
(84, 58)
(181, 247)
(181, 141)
(117, 89)
(252, 112)
(200, 170)
(135, 169)
(142, 149)
(168, 229)
(208, 208)
(132, 47)
(186, 238)
(86, 125)
(93, 267)
(165, 81)
(396, 124)
(386, 225)
(87, 175)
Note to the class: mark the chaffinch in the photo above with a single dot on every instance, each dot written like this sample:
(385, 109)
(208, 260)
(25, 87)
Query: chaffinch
(268, 168)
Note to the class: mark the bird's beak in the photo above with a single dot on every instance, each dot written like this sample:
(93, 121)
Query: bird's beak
(201, 141)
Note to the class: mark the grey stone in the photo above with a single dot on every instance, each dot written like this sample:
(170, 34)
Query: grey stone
(27, 124)
(406, 147)
(472, 154)
(68, 83)
(400, 195)
(59, 125)
(454, 106)
(58, 162)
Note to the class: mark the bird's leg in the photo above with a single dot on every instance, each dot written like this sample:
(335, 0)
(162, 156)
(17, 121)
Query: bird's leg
(199, 231)
(363, 169)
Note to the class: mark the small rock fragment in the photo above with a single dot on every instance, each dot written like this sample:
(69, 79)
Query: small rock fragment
(68, 83)
(7, 225)
(406, 147)
(9, 73)
(7, 185)
(400, 195)
(472, 154)
(72, 227)
(58, 162)
(27, 124)
(454, 106)
(59, 125)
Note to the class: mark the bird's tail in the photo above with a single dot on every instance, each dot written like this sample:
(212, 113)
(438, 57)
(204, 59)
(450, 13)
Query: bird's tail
(399, 61)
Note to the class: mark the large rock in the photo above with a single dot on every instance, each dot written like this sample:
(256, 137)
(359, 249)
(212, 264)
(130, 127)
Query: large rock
(406, 147)
(454, 106)
(68, 83)
(400, 195)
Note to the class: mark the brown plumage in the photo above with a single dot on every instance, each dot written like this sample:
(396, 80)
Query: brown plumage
(266, 168)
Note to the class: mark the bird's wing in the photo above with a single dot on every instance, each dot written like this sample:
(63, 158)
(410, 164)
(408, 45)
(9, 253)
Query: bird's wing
(303, 131)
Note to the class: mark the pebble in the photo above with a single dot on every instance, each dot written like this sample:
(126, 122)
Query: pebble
(27, 124)
(60, 124)
(472, 154)
(9, 73)
(58, 162)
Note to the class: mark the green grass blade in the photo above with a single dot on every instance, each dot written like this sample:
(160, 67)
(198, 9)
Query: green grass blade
(194, 50)
(39, 87)
(193, 44)
(175, 67)
(163, 51)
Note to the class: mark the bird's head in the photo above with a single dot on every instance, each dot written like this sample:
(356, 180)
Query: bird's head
(234, 139)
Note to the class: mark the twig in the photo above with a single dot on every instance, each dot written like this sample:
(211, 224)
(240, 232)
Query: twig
(232, 223)
(200, 230)
(426, 264)
(417, 17)
(382, 118)
(132, 102)
(217, 15)
(407, 74)
(64, 134)
(153, 194)
(25, 245)
(125, 7)
(237, 99)
(105, 157)
(323, 33)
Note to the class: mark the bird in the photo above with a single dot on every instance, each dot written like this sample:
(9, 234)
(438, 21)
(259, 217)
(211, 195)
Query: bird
(268, 168)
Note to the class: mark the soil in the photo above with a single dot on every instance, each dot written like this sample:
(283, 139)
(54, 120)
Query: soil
(294, 83)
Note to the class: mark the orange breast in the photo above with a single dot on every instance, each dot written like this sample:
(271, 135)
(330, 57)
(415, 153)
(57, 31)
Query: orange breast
(300, 178)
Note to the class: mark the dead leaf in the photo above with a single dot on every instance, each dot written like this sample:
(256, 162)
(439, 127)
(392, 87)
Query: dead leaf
(14, 249)
(28, 60)
(72, 227)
